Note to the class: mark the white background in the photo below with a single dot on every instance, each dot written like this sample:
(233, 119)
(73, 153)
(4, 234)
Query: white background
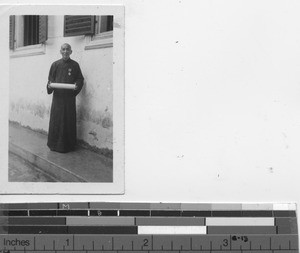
(212, 110)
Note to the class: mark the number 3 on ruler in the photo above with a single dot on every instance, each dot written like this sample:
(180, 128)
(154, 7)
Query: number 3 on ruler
(225, 242)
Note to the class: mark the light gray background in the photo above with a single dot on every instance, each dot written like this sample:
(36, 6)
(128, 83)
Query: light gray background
(212, 111)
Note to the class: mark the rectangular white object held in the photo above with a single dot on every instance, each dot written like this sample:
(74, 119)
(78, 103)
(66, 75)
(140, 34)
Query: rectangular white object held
(68, 86)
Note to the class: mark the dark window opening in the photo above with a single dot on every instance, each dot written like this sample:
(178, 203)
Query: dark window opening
(106, 24)
(31, 30)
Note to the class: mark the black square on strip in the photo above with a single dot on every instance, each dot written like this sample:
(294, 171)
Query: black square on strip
(37, 229)
(72, 213)
(257, 213)
(42, 212)
(165, 213)
(284, 213)
(227, 213)
(103, 213)
(17, 213)
(102, 230)
(196, 213)
(134, 213)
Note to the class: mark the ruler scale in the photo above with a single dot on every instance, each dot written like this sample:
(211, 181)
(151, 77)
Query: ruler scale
(148, 227)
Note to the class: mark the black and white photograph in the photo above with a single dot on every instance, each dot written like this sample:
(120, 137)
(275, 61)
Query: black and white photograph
(66, 103)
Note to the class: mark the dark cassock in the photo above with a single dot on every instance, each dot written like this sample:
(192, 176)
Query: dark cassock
(62, 125)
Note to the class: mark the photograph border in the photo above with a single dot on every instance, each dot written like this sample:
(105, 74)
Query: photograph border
(118, 184)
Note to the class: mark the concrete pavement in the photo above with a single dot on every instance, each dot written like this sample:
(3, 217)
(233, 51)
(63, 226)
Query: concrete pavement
(81, 165)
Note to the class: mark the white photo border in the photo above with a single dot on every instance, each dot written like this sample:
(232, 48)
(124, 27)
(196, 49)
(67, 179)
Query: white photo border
(118, 184)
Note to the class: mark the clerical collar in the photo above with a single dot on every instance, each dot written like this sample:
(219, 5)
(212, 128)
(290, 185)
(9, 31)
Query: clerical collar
(66, 60)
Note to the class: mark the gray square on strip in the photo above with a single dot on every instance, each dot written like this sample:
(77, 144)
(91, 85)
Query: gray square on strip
(42, 206)
(259, 207)
(165, 206)
(100, 221)
(105, 205)
(74, 205)
(285, 221)
(3, 221)
(224, 206)
(195, 207)
(241, 230)
(134, 206)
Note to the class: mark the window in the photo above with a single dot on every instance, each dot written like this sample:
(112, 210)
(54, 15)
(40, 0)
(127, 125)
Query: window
(78, 25)
(27, 33)
(98, 30)
(103, 36)
(31, 30)
(103, 24)
(87, 25)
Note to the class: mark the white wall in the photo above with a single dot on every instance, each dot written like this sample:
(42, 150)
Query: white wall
(30, 104)
(216, 116)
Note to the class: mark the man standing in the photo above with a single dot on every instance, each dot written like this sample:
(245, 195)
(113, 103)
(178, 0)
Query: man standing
(62, 125)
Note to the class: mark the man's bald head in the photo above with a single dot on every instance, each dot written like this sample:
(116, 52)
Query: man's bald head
(66, 45)
(65, 51)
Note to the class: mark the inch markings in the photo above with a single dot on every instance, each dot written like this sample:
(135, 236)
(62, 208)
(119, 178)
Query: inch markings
(147, 227)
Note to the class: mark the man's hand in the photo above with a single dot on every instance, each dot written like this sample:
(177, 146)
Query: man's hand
(48, 85)
(76, 86)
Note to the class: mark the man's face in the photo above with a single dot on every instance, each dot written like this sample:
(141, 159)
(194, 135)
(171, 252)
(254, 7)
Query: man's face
(65, 51)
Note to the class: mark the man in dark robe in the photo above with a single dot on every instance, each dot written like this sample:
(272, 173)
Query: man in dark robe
(62, 126)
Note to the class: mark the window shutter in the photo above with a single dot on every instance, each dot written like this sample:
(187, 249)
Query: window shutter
(79, 25)
(43, 28)
(11, 32)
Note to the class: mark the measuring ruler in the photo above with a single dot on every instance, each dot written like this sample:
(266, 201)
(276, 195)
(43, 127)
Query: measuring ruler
(148, 227)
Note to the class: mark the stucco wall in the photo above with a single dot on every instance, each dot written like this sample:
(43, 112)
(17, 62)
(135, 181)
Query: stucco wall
(30, 104)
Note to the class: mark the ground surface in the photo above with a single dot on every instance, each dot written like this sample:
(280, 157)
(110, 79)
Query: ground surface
(39, 164)
(22, 171)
